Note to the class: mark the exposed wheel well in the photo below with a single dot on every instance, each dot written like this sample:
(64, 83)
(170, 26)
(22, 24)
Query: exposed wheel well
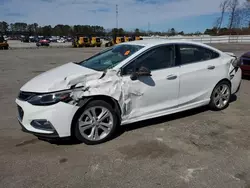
(114, 103)
(226, 80)
(223, 80)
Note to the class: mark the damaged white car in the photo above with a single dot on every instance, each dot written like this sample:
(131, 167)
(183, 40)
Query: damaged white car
(126, 83)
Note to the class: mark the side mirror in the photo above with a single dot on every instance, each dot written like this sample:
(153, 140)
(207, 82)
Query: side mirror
(143, 71)
(134, 76)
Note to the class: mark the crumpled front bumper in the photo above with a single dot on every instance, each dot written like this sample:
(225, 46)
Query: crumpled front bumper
(59, 115)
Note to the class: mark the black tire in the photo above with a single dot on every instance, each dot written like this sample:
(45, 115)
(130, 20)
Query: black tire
(6, 47)
(212, 103)
(75, 126)
(108, 44)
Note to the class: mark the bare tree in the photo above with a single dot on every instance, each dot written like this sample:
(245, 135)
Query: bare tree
(223, 7)
(239, 14)
(234, 13)
(245, 13)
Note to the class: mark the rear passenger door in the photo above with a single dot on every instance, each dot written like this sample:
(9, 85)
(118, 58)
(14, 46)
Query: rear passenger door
(200, 71)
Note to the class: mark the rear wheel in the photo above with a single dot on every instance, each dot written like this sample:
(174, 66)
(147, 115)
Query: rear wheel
(220, 97)
(96, 123)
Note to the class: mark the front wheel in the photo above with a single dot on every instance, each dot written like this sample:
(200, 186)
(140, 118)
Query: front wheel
(220, 97)
(96, 123)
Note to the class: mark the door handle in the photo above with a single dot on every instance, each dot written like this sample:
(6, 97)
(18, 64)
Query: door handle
(211, 67)
(171, 77)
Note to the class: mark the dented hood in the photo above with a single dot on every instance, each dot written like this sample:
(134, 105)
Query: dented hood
(56, 79)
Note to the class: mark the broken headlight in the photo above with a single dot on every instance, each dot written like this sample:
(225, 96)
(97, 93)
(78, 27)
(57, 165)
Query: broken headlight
(51, 98)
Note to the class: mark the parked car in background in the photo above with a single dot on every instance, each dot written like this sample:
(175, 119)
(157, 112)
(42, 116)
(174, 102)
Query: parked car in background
(25, 39)
(43, 42)
(126, 83)
(53, 39)
(34, 39)
(245, 64)
(69, 39)
(6, 38)
(61, 40)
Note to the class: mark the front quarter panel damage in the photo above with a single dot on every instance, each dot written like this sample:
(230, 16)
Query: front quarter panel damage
(110, 84)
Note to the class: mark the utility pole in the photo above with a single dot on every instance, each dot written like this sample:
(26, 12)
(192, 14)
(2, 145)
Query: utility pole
(117, 16)
(148, 27)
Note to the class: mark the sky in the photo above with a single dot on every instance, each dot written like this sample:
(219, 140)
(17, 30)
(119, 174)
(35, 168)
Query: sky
(159, 15)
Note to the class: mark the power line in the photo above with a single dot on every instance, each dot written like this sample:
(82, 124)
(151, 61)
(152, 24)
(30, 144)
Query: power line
(148, 27)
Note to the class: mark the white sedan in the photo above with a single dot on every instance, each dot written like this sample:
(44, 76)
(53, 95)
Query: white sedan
(61, 40)
(126, 83)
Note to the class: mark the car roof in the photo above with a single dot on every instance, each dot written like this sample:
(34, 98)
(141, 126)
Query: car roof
(155, 42)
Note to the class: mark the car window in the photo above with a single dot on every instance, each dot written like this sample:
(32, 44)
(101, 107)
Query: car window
(192, 54)
(107, 59)
(158, 58)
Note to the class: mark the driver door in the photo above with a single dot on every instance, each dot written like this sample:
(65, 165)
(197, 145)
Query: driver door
(155, 95)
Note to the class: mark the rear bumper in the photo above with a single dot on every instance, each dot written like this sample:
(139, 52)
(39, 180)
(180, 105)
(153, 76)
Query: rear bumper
(238, 88)
(236, 80)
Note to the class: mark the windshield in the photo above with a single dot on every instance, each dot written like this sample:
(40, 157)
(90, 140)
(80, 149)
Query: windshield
(111, 57)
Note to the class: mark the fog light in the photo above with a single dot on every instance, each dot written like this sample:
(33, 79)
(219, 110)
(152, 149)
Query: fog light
(42, 124)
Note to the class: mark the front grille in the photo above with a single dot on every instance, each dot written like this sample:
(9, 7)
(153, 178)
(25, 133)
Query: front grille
(20, 113)
(246, 61)
(24, 96)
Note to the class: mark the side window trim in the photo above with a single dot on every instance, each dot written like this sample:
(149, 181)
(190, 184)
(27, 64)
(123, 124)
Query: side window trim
(179, 53)
(146, 51)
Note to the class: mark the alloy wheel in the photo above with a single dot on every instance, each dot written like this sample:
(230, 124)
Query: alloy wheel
(95, 123)
(221, 96)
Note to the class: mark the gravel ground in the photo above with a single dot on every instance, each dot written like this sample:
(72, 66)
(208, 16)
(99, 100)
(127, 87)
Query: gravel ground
(197, 148)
